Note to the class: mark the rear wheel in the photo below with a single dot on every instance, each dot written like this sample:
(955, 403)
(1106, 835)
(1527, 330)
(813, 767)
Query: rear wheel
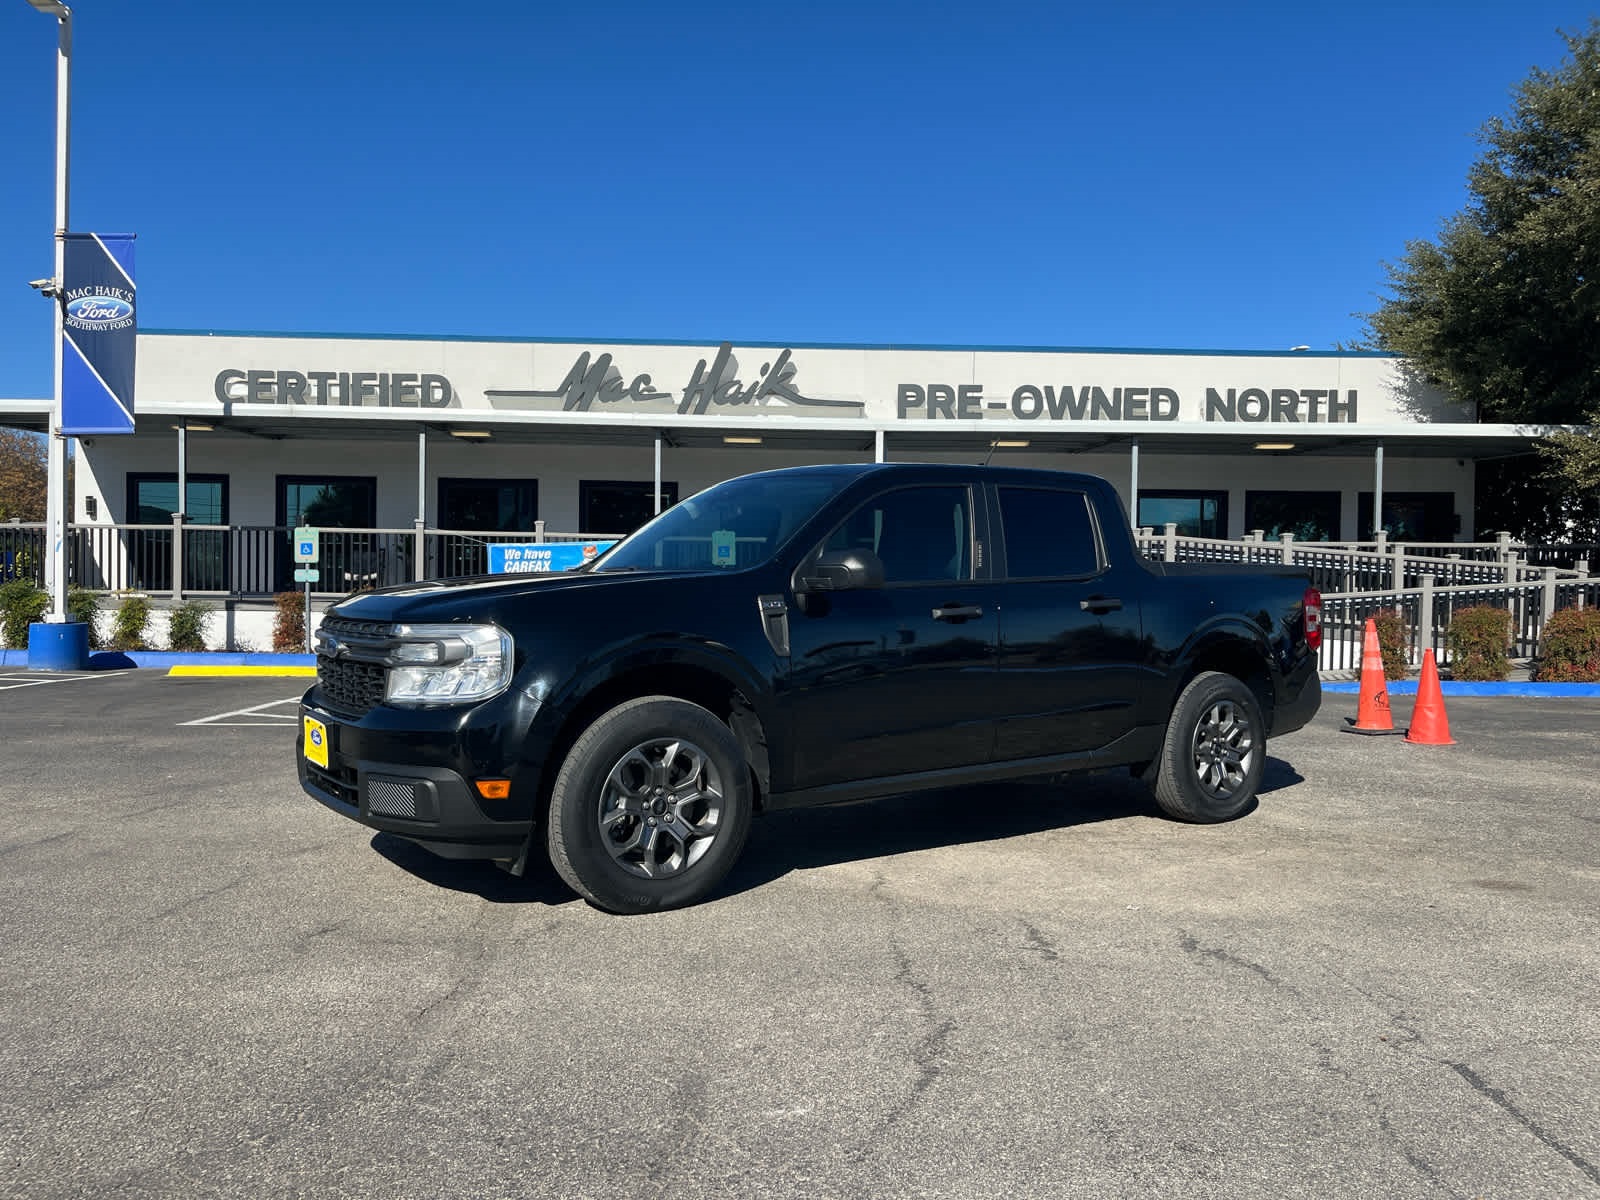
(651, 807)
(1214, 753)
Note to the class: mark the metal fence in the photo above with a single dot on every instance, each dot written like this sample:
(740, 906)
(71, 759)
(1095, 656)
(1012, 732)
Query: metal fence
(1423, 583)
(255, 560)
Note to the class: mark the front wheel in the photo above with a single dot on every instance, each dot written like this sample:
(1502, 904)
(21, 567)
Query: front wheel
(651, 807)
(1215, 750)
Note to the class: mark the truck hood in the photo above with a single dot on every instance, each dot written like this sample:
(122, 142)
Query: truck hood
(472, 598)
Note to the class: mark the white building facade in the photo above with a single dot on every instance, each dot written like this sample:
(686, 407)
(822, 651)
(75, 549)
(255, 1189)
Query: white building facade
(486, 439)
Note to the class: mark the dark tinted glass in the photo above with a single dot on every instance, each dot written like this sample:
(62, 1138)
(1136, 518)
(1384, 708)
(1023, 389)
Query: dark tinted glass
(921, 534)
(1047, 533)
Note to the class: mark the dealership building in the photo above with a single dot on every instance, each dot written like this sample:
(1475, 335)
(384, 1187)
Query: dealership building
(484, 438)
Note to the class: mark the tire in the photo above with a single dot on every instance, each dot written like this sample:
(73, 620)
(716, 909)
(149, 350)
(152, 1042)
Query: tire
(1214, 753)
(651, 808)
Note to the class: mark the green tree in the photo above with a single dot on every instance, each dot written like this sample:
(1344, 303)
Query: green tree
(1503, 309)
(22, 475)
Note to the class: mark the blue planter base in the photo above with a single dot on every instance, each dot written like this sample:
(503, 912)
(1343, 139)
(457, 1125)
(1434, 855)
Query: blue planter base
(63, 647)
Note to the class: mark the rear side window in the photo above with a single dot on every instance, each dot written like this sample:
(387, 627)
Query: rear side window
(1048, 533)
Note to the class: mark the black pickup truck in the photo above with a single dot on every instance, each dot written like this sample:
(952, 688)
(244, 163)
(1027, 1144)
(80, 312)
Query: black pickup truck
(798, 637)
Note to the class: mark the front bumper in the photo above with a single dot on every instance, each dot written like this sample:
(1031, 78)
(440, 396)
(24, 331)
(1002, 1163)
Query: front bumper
(415, 784)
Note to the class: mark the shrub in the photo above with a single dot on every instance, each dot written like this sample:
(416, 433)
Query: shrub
(289, 626)
(84, 605)
(1479, 639)
(22, 602)
(1569, 651)
(1395, 643)
(186, 629)
(129, 625)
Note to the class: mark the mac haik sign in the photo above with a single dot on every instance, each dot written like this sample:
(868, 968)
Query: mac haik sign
(720, 383)
(723, 383)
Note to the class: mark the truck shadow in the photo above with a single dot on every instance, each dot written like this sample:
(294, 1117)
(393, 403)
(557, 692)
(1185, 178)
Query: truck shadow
(804, 839)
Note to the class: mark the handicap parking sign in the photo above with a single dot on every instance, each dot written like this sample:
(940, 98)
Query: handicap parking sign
(306, 542)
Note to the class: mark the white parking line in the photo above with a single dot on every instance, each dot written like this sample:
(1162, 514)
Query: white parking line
(9, 681)
(259, 714)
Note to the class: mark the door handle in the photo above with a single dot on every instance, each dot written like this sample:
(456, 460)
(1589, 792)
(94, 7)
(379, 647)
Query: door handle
(1100, 604)
(957, 612)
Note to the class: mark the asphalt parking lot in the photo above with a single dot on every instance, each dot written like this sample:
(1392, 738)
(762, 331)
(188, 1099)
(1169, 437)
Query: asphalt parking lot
(1381, 982)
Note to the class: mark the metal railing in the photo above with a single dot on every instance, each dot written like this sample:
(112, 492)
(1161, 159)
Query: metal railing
(1424, 584)
(1425, 613)
(1378, 565)
(255, 560)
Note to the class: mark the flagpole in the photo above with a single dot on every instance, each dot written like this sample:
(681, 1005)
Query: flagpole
(56, 457)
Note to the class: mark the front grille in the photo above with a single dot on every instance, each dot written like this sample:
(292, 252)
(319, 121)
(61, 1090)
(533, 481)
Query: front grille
(352, 680)
(350, 688)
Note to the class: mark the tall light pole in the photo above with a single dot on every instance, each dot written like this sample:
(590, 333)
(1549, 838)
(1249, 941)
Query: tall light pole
(56, 475)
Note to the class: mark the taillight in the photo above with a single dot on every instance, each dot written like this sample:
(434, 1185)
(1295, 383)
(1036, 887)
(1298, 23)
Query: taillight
(1313, 605)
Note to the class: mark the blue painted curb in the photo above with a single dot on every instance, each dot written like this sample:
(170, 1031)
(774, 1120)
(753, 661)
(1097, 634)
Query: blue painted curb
(115, 660)
(1451, 688)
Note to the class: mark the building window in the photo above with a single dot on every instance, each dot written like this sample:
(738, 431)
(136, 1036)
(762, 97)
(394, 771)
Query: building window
(481, 506)
(1196, 514)
(501, 505)
(1048, 534)
(348, 561)
(1411, 516)
(152, 500)
(1309, 516)
(619, 506)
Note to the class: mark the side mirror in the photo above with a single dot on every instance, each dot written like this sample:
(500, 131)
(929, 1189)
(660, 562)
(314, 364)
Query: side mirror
(842, 571)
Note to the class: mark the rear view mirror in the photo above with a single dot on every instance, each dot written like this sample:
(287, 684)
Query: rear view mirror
(843, 571)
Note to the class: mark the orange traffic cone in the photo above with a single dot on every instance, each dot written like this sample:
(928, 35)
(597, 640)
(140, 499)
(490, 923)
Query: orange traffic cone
(1372, 710)
(1429, 727)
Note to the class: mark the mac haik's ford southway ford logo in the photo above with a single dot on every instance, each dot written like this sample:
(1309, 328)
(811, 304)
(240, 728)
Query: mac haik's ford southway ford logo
(99, 309)
(597, 380)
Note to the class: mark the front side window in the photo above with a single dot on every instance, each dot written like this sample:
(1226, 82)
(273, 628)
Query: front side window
(920, 534)
(1048, 534)
(740, 523)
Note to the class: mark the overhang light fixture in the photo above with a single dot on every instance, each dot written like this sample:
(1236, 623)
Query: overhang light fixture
(471, 433)
(196, 426)
(1274, 445)
(741, 440)
(1011, 444)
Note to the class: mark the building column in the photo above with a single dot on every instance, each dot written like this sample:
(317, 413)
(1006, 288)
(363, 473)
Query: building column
(1133, 484)
(1377, 490)
(656, 493)
(877, 445)
(419, 570)
(180, 517)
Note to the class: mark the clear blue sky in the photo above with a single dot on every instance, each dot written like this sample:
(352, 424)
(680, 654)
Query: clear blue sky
(985, 173)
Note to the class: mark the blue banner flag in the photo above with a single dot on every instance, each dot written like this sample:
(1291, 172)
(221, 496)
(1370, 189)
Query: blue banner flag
(99, 330)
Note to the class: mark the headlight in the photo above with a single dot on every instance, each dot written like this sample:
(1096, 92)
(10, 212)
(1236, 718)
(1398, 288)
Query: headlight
(447, 664)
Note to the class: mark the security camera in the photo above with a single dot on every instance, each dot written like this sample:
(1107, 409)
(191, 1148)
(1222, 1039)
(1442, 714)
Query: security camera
(44, 286)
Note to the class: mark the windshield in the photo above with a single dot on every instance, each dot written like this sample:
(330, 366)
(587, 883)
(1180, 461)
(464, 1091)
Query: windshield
(740, 523)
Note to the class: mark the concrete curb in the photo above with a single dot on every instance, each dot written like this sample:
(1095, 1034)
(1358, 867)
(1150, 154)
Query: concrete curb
(1452, 688)
(117, 660)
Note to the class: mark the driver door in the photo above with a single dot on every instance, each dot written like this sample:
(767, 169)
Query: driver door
(897, 679)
